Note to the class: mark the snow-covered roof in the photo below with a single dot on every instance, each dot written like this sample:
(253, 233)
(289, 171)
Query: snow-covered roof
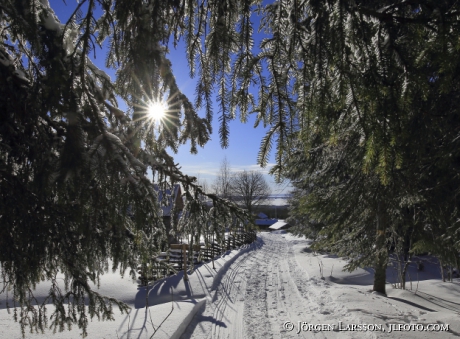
(279, 225)
(265, 222)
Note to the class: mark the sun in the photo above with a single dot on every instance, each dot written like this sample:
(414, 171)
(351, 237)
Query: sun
(156, 111)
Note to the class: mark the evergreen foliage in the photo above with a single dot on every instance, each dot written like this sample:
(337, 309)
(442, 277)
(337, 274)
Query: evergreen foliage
(75, 194)
(361, 99)
(378, 157)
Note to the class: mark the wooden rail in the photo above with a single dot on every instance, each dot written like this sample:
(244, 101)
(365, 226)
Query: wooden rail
(176, 258)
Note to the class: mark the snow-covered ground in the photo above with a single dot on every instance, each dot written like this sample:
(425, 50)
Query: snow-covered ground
(273, 288)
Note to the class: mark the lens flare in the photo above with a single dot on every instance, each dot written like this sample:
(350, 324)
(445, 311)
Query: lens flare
(156, 111)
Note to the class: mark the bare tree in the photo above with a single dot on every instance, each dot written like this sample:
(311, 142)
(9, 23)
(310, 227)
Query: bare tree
(221, 185)
(203, 183)
(250, 189)
(205, 187)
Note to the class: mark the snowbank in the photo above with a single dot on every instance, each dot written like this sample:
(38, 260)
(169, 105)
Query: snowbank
(253, 291)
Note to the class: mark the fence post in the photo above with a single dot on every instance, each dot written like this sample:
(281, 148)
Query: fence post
(184, 254)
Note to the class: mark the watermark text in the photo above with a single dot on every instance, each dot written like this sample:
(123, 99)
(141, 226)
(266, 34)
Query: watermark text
(303, 326)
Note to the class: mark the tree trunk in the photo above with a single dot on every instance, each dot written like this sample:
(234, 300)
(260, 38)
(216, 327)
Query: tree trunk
(404, 272)
(441, 266)
(381, 256)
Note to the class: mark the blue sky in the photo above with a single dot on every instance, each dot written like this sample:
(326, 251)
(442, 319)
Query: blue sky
(244, 139)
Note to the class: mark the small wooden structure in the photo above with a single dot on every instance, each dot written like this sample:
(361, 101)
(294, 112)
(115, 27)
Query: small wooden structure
(279, 225)
(178, 256)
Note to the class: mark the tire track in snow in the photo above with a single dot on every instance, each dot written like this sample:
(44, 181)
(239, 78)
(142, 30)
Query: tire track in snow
(284, 301)
(260, 291)
(227, 302)
(221, 317)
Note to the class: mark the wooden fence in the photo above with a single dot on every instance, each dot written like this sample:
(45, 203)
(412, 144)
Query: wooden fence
(177, 257)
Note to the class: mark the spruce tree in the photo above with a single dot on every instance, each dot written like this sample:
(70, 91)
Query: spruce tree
(374, 117)
(363, 95)
(75, 192)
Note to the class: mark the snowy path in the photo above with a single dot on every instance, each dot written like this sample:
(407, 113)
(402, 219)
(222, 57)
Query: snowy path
(277, 281)
(254, 290)
(262, 290)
